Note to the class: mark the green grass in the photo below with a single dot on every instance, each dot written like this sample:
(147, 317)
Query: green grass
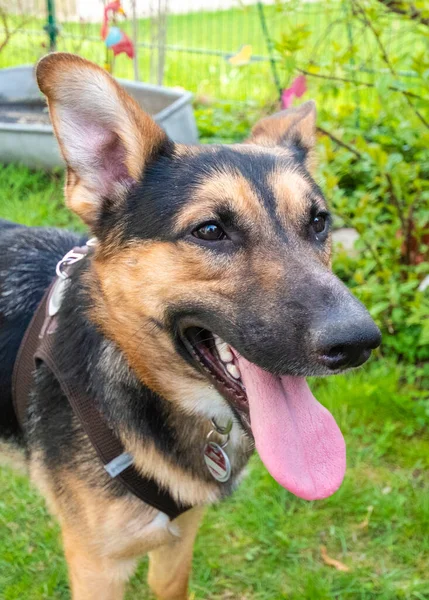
(263, 543)
(34, 197)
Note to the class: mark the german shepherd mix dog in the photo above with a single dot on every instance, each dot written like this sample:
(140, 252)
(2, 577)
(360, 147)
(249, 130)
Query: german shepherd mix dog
(208, 296)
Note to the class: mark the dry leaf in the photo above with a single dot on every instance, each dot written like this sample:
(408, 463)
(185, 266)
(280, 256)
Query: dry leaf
(365, 522)
(332, 562)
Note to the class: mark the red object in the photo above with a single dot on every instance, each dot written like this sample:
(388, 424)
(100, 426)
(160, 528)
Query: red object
(125, 45)
(217, 462)
(296, 90)
(114, 7)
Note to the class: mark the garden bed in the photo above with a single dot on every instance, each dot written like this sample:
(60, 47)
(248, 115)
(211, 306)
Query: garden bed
(22, 113)
(26, 134)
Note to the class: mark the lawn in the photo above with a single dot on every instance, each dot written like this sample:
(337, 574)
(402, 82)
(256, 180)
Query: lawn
(263, 544)
(199, 42)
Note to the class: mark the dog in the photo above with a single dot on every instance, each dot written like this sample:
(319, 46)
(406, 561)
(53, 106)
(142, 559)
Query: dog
(208, 299)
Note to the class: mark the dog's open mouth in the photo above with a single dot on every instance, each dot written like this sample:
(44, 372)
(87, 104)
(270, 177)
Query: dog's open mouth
(296, 437)
(216, 359)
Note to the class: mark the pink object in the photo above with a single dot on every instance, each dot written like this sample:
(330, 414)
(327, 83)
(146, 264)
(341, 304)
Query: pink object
(114, 7)
(104, 29)
(296, 90)
(297, 438)
(125, 45)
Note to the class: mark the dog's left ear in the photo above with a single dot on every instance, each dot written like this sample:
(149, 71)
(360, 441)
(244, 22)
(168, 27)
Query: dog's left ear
(104, 136)
(294, 128)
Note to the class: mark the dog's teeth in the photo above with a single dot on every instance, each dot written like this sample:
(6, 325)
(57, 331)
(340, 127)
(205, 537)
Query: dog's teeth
(224, 352)
(233, 370)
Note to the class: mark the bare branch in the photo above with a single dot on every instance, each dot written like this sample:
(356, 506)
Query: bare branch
(4, 20)
(339, 142)
(386, 59)
(357, 83)
(409, 11)
(8, 32)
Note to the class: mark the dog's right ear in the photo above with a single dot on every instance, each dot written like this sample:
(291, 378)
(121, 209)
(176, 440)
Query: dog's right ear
(104, 136)
(294, 128)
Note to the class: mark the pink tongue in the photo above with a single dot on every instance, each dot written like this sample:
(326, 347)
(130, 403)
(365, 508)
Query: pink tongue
(297, 438)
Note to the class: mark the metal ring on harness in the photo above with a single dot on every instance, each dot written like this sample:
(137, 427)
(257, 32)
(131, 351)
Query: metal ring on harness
(210, 433)
(69, 259)
(222, 430)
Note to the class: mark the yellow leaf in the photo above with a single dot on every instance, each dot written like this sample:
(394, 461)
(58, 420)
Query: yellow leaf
(242, 57)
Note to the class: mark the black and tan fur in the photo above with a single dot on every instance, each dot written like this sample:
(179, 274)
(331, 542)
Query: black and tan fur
(266, 290)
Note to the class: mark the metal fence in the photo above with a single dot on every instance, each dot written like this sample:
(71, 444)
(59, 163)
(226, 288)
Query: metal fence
(223, 49)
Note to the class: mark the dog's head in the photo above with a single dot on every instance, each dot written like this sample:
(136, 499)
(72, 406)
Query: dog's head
(213, 267)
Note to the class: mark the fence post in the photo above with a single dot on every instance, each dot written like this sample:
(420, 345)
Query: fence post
(270, 48)
(135, 40)
(51, 26)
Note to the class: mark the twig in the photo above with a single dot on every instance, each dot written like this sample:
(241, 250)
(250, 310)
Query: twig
(395, 201)
(406, 222)
(412, 13)
(3, 18)
(340, 142)
(8, 33)
(386, 59)
(410, 227)
(363, 83)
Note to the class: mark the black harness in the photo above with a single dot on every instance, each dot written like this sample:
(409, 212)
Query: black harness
(36, 347)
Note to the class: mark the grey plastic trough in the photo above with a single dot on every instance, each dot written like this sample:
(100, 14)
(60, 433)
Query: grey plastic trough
(33, 143)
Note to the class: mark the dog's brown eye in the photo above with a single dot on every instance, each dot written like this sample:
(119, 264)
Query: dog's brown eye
(210, 232)
(319, 223)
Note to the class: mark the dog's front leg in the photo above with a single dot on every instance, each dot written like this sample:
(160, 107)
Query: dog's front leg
(170, 564)
(93, 577)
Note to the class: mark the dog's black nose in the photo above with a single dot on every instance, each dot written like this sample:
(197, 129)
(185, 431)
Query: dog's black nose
(348, 343)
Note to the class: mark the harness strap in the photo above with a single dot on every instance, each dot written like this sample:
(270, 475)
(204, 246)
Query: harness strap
(23, 370)
(37, 346)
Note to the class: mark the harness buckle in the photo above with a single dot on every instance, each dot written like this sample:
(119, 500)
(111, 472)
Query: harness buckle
(69, 259)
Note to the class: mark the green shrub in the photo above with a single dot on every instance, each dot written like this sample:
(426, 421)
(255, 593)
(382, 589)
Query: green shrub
(384, 195)
(374, 149)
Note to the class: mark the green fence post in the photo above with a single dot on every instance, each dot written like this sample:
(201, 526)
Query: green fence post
(270, 48)
(51, 26)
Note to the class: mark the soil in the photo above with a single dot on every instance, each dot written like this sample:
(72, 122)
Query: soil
(24, 114)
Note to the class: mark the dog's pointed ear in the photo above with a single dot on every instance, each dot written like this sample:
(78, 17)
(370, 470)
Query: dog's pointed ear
(104, 136)
(293, 127)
